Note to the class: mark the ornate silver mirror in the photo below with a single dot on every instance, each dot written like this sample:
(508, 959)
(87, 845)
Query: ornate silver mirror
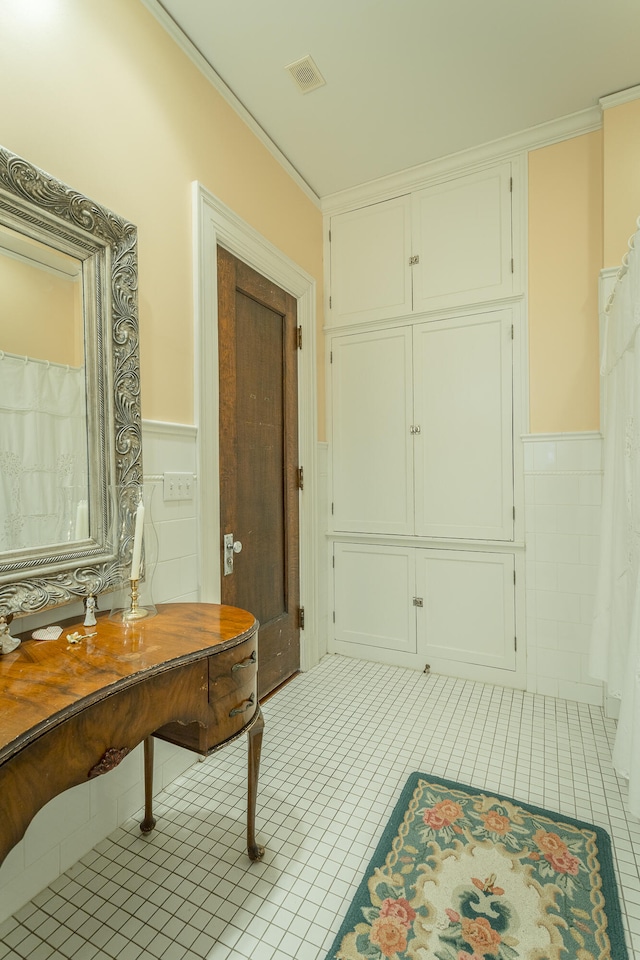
(69, 387)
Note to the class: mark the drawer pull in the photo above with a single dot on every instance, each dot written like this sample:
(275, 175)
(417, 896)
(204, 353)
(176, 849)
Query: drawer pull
(244, 706)
(243, 664)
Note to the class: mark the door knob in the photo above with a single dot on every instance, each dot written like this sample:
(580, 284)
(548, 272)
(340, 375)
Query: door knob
(231, 546)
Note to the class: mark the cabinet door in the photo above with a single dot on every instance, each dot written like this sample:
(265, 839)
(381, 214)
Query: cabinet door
(373, 595)
(371, 440)
(462, 234)
(463, 406)
(468, 612)
(370, 273)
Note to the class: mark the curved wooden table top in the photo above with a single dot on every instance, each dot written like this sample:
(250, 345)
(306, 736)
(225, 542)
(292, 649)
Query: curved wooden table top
(43, 682)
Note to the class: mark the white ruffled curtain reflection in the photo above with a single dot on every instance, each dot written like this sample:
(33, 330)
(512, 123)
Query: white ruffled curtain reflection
(615, 640)
(43, 453)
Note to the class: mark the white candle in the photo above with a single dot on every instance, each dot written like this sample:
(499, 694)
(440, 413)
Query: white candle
(82, 520)
(137, 543)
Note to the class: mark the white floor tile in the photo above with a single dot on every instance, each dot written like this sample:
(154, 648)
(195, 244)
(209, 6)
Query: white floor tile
(339, 744)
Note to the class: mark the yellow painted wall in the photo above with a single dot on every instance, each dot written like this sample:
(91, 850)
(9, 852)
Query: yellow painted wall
(98, 95)
(565, 257)
(621, 127)
(40, 313)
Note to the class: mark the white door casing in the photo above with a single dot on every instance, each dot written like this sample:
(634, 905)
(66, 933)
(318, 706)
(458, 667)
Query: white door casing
(215, 223)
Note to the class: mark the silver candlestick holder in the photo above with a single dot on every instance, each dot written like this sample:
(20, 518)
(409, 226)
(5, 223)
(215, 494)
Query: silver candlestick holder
(136, 548)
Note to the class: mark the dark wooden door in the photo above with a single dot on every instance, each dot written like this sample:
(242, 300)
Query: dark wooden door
(257, 339)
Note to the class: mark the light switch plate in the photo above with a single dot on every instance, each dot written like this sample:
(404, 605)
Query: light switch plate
(178, 486)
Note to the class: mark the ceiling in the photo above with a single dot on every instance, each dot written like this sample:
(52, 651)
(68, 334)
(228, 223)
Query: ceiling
(408, 81)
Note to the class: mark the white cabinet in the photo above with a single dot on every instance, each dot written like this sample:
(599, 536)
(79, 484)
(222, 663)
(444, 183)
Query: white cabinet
(450, 609)
(422, 429)
(371, 440)
(463, 406)
(468, 609)
(370, 251)
(462, 234)
(424, 406)
(447, 245)
(374, 601)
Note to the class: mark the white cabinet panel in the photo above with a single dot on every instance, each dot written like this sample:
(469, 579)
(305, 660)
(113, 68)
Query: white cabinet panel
(370, 273)
(463, 405)
(468, 612)
(374, 599)
(462, 234)
(371, 440)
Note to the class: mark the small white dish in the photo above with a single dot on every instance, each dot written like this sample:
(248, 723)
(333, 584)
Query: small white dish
(47, 633)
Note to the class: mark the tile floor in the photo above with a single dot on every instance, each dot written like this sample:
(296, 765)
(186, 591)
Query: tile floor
(339, 744)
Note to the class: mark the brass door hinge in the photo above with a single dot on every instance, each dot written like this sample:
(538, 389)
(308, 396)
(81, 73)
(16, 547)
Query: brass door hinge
(299, 337)
(301, 618)
(300, 473)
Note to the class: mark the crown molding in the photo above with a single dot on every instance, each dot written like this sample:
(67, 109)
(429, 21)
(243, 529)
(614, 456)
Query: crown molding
(622, 96)
(166, 20)
(542, 135)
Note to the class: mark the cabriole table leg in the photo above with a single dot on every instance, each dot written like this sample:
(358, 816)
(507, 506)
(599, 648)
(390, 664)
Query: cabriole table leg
(254, 736)
(149, 822)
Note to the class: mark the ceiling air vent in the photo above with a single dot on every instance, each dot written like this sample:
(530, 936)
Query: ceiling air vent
(306, 74)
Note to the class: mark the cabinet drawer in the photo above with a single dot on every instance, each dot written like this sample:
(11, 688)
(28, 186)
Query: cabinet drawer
(229, 714)
(233, 700)
(234, 670)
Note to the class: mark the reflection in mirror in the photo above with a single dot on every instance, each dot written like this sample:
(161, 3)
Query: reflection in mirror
(44, 496)
(70, 425)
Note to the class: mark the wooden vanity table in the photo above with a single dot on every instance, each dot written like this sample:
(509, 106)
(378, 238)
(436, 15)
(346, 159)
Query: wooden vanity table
(71, 712)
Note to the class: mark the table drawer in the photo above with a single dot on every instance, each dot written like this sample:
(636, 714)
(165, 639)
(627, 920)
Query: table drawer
(234, 670)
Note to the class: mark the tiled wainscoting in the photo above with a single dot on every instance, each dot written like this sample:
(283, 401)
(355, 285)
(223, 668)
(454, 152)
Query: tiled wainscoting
(563, 481)
(71, 824)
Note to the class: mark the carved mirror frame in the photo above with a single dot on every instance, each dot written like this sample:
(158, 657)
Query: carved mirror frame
(38, 205)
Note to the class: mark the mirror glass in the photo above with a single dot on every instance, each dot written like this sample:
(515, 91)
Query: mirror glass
(44, 465)
(70, 428)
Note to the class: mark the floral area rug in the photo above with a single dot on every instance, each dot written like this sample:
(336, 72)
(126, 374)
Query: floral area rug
(465, 875)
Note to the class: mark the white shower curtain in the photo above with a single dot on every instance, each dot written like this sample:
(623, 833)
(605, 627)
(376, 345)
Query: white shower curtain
(43, 452)
(615, 639)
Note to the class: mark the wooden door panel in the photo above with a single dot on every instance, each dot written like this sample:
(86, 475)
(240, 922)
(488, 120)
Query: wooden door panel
(259, 419)
(259, 460)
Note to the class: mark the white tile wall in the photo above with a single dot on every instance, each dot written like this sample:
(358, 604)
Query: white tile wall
(563, 481)
(73, 823)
